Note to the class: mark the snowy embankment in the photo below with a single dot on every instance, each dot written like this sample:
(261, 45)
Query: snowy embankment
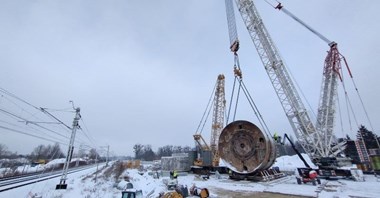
(291, 163)
(28, 168)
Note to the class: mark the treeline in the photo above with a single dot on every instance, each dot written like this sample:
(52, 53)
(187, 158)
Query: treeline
(47, 152)
(5, 153)
(145, 152)
(368, 138)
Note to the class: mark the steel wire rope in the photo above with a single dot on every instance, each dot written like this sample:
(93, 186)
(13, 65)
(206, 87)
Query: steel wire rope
(349, 104)
(348, 114)
(230, 103)
(300, 90)
(256, 109)
(340, 115)
(357, 90)
(238, 76)
(204, 113)
(346, 101)
(292, 78)
(208, 114)
(237, 100)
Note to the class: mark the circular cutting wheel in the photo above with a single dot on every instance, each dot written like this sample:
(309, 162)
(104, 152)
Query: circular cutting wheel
(245, 148)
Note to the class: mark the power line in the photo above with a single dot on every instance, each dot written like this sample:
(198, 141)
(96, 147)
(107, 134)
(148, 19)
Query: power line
(36, 136)
(43, 110)
(14, 96)
(88, 137)
(30, 127)
(40, 121)
(16, 116)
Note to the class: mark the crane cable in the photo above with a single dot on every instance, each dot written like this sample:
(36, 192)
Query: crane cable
(357, 90)
(330, 43)
(241, 86)
(207, 111)
(234, 47)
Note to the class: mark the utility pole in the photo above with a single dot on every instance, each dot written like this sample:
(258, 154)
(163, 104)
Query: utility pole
(97, 166)
(108, 151)
(62, 184)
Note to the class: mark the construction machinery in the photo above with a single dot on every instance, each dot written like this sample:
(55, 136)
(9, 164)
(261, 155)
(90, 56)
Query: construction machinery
(307, 174)
(172, 184)
(130, 192)
(317, 140)
(207, 156)
(171, 195)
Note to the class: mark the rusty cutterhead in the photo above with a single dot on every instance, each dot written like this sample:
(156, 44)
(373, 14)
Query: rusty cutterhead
(245, 148)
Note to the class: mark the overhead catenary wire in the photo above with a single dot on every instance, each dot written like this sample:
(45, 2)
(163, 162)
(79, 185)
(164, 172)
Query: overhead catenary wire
(28, 134)
(16, 116)
(34, 129)
(39, 120)
(55, 118)
(16, 97)
(11, 98)
(33, 106)
(84, 132)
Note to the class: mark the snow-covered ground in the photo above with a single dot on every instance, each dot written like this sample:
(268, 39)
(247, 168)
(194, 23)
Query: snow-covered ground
(83, 184)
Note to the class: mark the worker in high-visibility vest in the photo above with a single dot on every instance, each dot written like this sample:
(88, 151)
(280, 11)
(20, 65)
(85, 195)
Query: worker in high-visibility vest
(275, 137)
(175, 174)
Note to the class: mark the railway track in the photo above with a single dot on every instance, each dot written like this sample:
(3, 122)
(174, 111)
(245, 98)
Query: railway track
(23, 180)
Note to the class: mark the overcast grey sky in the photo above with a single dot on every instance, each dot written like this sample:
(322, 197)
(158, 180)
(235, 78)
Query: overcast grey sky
(143, 71)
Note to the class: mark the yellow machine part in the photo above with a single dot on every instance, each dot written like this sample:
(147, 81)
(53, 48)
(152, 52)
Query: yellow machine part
(172, 195)
(204, 193)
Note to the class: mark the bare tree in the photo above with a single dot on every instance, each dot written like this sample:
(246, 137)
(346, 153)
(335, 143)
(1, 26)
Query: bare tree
(93, 154)
(3, 150)
(138, 150)
(47, 152)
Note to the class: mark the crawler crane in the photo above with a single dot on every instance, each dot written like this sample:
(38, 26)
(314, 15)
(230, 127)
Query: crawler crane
(206, 151)
(317, 139)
